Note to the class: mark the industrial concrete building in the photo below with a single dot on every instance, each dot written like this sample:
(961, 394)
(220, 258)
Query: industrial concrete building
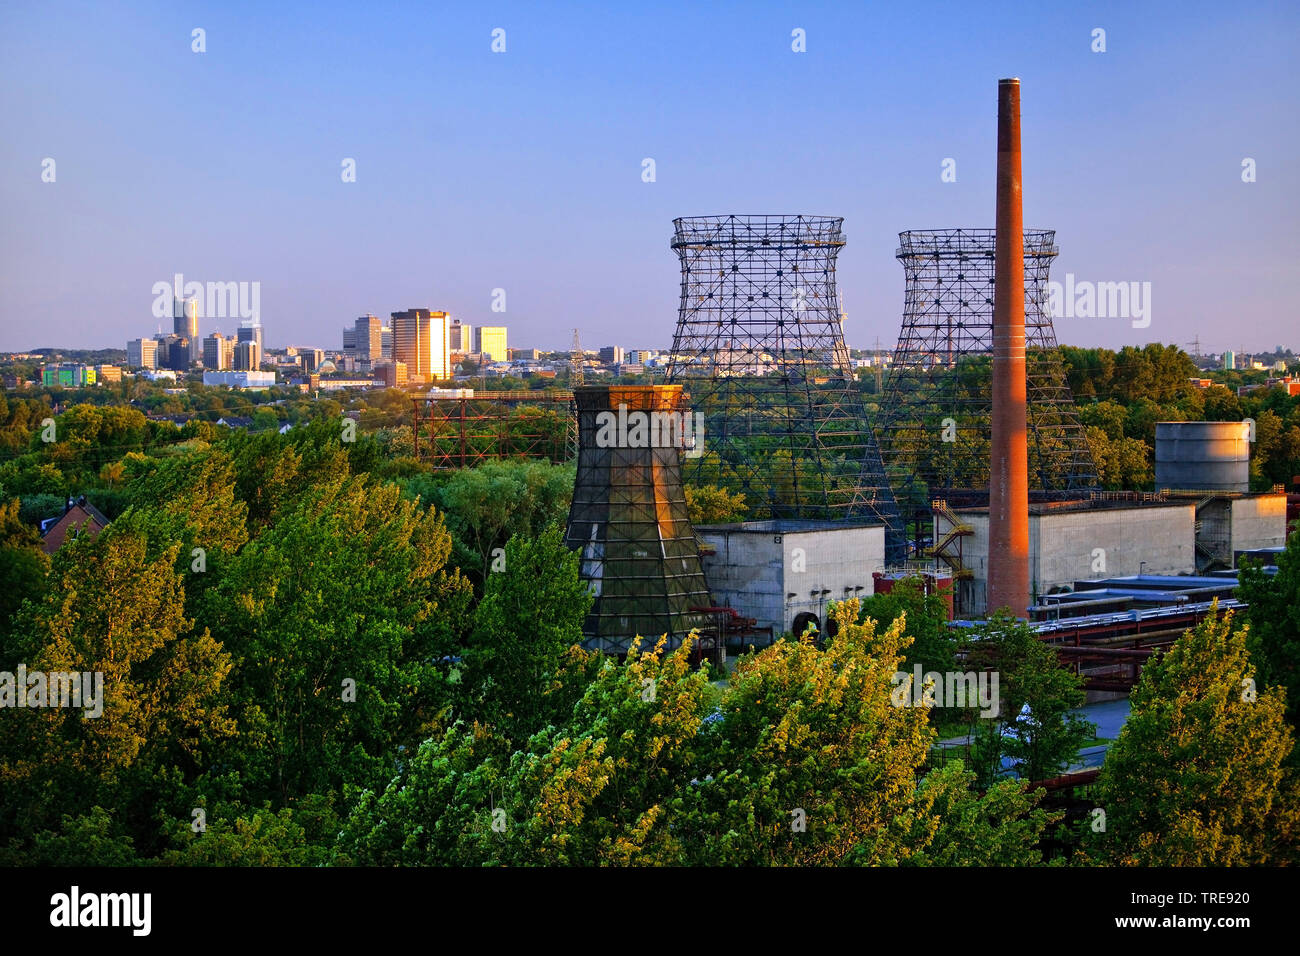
(1227, 524)
(785, 573)
(1112, 534)
(1069, 540)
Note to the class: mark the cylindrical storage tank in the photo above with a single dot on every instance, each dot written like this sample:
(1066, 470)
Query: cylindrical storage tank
(1203, 456)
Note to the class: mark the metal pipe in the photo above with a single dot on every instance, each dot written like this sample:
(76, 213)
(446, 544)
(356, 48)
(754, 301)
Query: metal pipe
(1008, 581)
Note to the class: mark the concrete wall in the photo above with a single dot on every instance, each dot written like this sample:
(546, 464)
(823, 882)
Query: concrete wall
(1063, 547)
(1258, 522)
(746, 572)
(1156, 539)
(754, 568)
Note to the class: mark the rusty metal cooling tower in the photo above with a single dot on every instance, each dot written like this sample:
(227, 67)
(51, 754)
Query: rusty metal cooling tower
(629, 518)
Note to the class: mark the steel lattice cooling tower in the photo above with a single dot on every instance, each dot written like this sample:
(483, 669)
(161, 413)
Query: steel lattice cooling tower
(936, 418)
(629, 518)
(760, 347)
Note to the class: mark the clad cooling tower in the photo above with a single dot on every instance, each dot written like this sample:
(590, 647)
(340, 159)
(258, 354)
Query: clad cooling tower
(629, 518)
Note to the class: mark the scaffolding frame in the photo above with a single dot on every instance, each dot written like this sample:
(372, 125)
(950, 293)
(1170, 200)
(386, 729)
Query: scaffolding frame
(759, 345)
(460, 431)
(936, 413)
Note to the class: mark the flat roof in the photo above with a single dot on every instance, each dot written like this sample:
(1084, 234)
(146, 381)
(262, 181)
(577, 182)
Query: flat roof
(1068, 507)
(789, 525)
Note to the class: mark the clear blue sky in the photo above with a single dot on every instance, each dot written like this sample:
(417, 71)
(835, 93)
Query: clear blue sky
(522, 170)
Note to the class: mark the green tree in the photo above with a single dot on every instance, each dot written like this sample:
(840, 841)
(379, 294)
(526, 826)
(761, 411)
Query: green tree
(926, 618)
(1274, 615)
(340, 617)
(529, 619)
(490, 503)
(23, 566)
(111, 609)
(1197, 777)
(957, 825)
(709, 504)
(809, 761)
(1122, 463)
(1038, 742)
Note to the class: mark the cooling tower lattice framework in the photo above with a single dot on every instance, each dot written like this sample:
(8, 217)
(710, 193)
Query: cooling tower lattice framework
(760, 348)
(936, 416)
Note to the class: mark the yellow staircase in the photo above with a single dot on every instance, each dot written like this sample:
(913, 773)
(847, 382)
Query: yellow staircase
(940, 547)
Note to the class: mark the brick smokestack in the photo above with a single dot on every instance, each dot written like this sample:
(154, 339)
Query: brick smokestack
(1009, 472)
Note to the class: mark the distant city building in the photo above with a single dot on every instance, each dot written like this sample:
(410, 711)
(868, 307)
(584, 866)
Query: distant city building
(240, 379)
(248, 356)
(611, 355)
(349, 340)
(531, 355)
(368, 334)
(420, 341)
(251, 331)
(108, 374)
(392, 374)
(491, 341)
(185, 324)
(68, 375)
(174, 352)
(218, 352)
(1229, 360)
(335, 384)
(142, 353)
(386, 341)
(312, 359)
(461, 336)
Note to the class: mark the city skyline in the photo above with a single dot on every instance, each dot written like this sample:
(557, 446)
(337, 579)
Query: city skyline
(475, 188)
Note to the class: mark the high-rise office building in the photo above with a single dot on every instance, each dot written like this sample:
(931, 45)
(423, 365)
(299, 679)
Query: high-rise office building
(248, 355)
(185, 323)
(174, 352)
(369, 339)
(612, 354)
(1230, 360)
(491, 341)
(218, 352)
(142, 353)
(311, 359)
(386, 341)
(461, 336)
(420, 340)
(250, 330)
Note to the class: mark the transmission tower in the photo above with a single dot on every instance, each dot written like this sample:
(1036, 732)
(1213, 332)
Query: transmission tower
(577, 359)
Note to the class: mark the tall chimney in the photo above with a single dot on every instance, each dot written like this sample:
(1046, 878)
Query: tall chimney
(1009, 472)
